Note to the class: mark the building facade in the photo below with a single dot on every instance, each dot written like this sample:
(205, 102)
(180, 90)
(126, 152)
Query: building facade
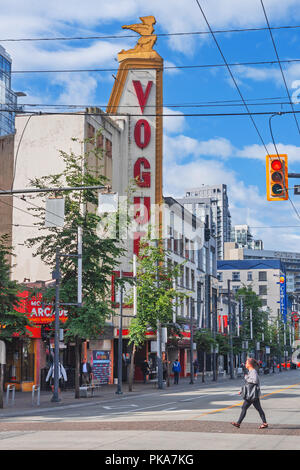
(186, 247)
(263, 276)
(210, 203)
(8, 99)
(241, 235)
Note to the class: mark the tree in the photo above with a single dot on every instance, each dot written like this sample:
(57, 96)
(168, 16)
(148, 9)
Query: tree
(251, 303)
(12, 322)
(204, 340)
(156, 295)
(100, 256)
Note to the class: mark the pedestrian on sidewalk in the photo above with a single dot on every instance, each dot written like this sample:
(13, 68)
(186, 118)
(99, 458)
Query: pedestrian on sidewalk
(176, 370)
(251, 393)
(86, 371)
(145, 369)
(196, 368)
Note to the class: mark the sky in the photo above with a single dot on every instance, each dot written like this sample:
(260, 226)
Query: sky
(197, 149)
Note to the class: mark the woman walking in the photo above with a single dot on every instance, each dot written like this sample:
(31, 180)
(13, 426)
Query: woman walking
(252, 396)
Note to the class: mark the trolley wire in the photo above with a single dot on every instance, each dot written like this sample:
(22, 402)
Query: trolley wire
(279, 63)
(162, 35)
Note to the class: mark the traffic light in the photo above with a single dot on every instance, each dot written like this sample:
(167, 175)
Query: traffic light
(277, 177)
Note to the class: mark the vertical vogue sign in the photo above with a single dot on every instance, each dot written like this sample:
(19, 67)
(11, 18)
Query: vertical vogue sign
(142, 167)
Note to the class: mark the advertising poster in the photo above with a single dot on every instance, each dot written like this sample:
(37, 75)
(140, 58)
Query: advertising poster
(101, 366)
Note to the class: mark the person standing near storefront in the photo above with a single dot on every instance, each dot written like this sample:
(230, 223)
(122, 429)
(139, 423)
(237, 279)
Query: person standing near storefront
(86, 371)
(176, 370)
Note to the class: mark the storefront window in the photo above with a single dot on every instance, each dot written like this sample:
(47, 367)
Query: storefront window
(20, 361)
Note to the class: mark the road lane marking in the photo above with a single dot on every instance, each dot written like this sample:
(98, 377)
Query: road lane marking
(241, 402)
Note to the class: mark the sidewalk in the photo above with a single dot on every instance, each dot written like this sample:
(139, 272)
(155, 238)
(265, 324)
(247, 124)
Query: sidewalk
(23, 400)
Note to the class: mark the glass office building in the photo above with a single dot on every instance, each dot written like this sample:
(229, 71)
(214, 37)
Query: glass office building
(8, 99)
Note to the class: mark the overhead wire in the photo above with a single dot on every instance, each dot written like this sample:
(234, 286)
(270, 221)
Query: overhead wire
(77, 113)
(126, 36)
(288, 94)
(279, 63)
(158, 68)
(232, 76)
(239, 91)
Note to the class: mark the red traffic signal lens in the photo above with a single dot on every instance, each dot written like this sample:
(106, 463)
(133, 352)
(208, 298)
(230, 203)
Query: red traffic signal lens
(276, 165)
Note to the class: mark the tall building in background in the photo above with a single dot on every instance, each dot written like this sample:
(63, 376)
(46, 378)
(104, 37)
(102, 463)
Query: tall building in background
(241, 235)
(8, 99)
(210, 204)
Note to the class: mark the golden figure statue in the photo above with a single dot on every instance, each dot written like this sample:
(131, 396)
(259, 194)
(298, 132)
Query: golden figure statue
(144, 46)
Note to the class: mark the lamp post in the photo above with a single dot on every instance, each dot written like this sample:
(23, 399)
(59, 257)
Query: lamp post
(230, 329)
(56, 276)
(191, 341)
(120, 346)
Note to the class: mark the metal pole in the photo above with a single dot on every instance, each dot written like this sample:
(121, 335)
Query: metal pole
(251, 325)
(158, 338)
(79, 285)
(55, 397)
(120, 377)
(230, 330)
(192, 341)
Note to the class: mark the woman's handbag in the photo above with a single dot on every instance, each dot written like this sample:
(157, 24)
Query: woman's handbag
(250, 392)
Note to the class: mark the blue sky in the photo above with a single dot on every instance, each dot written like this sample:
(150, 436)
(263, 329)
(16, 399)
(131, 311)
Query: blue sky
(197, 150)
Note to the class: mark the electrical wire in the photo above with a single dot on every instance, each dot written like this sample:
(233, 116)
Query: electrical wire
(246, 106)
(115, 36)
(232, 76)
(165, 67)
(274, 143)
(103, 114)
(279, 63)
(17, 152)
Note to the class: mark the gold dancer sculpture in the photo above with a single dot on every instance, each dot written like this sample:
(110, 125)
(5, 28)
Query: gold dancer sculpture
(144, 46)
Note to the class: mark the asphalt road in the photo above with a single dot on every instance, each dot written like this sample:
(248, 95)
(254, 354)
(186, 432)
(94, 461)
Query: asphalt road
(194, 417)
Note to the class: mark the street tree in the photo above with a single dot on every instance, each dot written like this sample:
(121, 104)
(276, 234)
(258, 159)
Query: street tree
(156, 294)
(251, 306)
(12, 321)
(100, 256)
(204, 341)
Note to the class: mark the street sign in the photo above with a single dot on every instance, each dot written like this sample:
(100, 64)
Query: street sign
(297, 189)
(2, 353)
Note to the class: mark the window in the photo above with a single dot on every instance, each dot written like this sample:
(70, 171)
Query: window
(220, 276)
(262, 275)
(192, 279)
(262, 290)
(249, 276)
(236, 276)
(187, 278)
(264, 302)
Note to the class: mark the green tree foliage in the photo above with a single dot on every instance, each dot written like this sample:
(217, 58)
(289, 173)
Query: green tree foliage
(100, 256)
(156, 295)
(11, 321)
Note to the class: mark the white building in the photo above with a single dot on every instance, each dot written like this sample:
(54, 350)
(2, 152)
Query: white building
(261, 275)
(212, 202)
(241, 235)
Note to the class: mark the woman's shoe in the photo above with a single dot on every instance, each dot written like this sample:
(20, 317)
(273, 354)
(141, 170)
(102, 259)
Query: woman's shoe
(236, 425)
(263, 426)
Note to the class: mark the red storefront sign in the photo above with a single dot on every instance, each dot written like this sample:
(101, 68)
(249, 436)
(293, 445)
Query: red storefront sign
(36, 312)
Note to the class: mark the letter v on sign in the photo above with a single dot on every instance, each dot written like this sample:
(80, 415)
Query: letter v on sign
(141, 96)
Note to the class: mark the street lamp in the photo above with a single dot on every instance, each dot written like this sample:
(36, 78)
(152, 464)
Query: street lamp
(120, 346)
(230, 329)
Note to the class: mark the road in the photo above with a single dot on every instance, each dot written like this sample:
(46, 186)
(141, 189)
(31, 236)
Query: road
(194, 417)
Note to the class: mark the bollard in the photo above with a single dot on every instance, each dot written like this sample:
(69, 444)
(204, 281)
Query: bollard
(11, 388)
(36, 388)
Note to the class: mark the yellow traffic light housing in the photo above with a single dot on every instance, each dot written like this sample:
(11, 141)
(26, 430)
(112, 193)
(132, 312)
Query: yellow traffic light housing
(277, 177)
